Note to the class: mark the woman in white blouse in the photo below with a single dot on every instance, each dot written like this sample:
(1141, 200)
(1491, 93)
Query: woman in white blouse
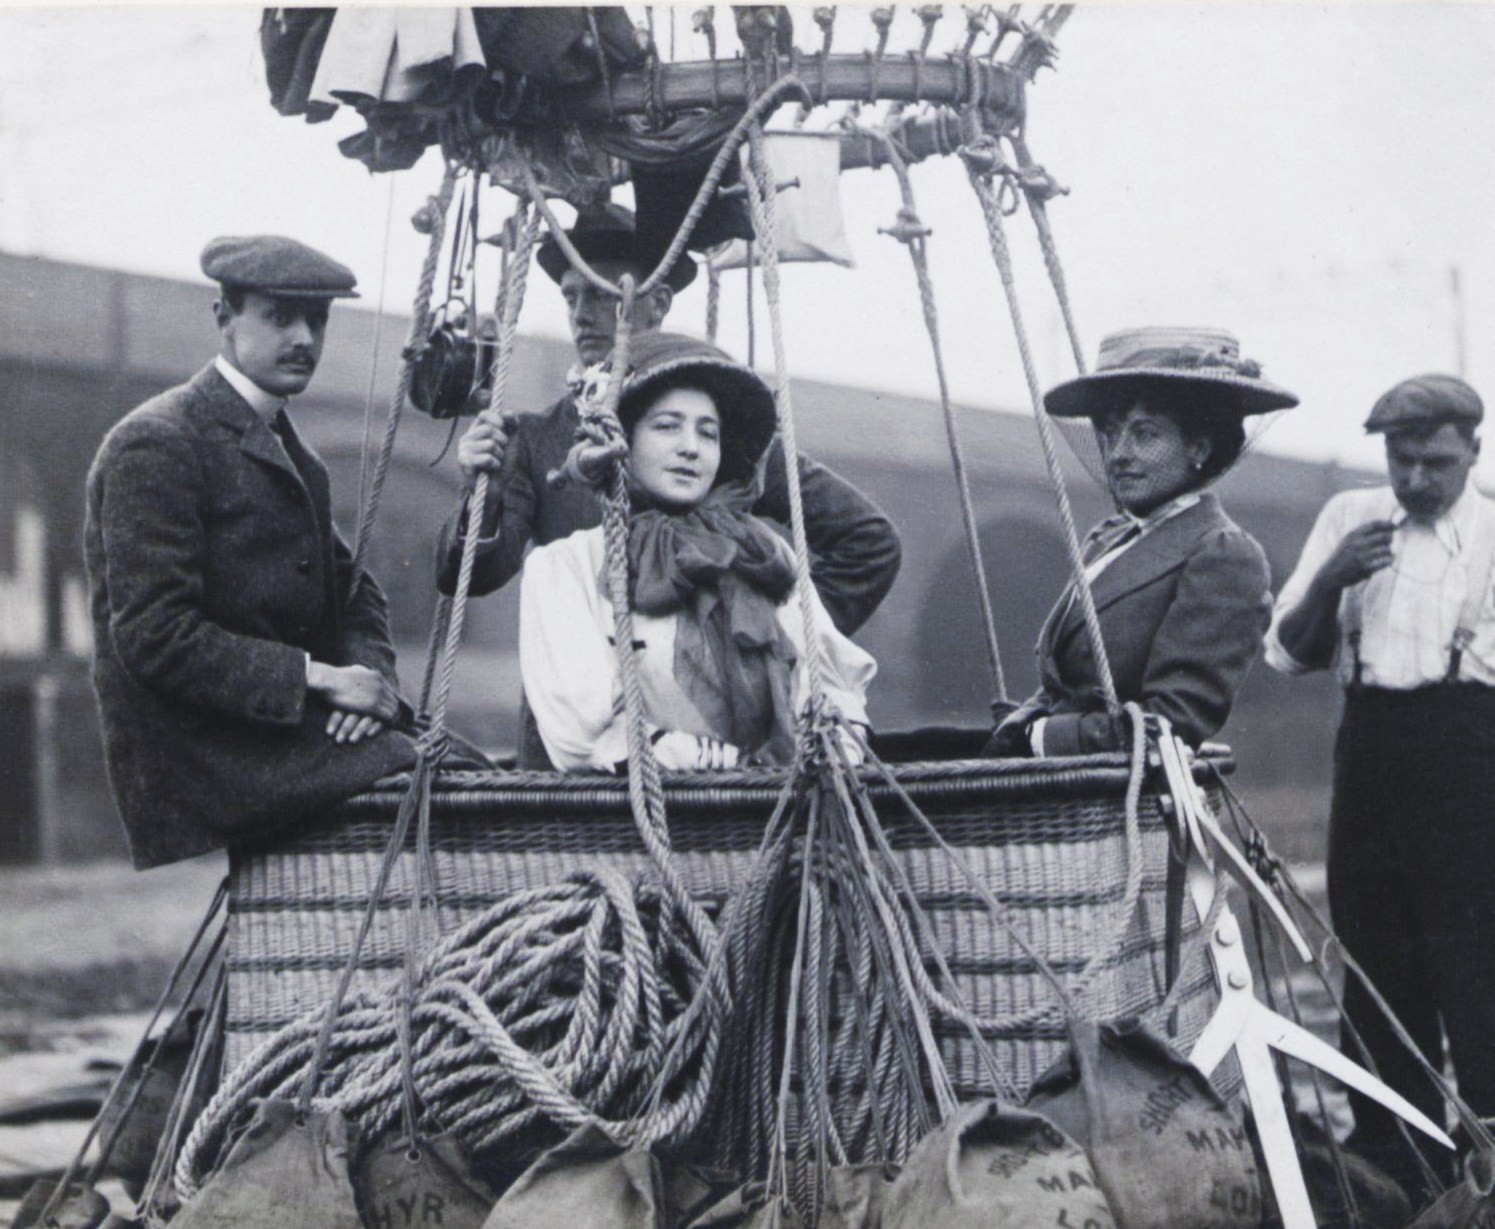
(718, 629)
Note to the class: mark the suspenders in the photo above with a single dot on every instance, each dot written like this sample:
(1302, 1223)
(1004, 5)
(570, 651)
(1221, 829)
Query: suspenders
(1480, 567)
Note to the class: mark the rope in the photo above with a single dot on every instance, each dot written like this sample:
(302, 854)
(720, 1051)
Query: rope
(762, 105)
(1038, 187)
(912, 234)
(525, 228)
(557, 1006)
(713, 300)
(432, 215)
(762, 198)
(117, 1085)
(974, 157)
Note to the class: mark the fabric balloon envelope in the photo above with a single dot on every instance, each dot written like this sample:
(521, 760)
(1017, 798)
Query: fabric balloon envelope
(1468, 1205)
(991, 1165)
(585, 1182)
(286, 1169)
(403, 1187)
(1167, 1150)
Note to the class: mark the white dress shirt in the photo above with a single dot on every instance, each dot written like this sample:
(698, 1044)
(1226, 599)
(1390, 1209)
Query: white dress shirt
(1409, 609)
(265, 405)
(570, 668)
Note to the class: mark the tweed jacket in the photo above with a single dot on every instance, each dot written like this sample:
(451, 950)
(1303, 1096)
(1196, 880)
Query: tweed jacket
(1182, 613)
(214, 569)
(855, 551)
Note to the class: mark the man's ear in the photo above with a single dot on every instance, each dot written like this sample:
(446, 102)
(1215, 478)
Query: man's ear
(222, 313)
(664, 297)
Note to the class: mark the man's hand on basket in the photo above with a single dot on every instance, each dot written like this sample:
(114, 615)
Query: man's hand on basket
(363, 700)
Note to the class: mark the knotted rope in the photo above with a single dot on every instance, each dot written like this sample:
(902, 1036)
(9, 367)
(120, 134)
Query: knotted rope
(431, 219)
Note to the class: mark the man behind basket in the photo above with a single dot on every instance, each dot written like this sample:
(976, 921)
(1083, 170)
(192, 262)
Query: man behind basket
(244, 674)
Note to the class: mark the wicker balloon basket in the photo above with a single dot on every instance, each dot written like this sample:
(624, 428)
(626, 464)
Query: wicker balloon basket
(1048, 837)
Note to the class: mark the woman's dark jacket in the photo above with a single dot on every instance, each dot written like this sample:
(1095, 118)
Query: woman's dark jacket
(1182, 614)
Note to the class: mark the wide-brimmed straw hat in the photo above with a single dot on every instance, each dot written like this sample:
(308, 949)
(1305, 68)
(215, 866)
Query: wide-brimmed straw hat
(1133, 360)
(745, 403)
(609, 232)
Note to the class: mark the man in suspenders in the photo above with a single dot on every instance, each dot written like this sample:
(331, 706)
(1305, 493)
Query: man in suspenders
(1393, 592)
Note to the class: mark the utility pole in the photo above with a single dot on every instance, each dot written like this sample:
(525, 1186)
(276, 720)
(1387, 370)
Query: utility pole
(1456, 293)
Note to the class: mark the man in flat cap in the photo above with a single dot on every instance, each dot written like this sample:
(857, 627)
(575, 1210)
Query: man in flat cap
(244, 674)
(855, 551)
(1393, 592)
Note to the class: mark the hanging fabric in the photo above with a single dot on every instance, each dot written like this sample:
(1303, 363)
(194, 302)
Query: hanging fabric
(809, 225)
(585, 1181)
(989, 1165)
(81, 1208)
(750, 1207)
(1168, 1152)
(383, 55)
(853, 1197)
(288, 1168)
(1468, 1205)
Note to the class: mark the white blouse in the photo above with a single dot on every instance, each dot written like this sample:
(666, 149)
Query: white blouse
(570, 670)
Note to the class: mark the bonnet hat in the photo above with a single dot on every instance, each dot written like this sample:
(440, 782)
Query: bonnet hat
(746, 404)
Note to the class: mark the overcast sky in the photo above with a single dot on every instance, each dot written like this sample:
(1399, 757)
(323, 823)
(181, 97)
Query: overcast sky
(1305, 175)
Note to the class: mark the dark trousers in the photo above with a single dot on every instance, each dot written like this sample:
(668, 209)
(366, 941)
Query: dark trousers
(1412, 891)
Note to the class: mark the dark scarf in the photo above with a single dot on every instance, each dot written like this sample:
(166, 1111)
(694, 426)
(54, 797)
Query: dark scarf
(723, 572)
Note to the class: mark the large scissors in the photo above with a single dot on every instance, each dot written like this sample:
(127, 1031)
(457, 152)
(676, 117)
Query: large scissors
(1243, 1023)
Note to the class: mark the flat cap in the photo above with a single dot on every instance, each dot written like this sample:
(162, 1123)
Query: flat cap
(274, 264)
(1425, 401)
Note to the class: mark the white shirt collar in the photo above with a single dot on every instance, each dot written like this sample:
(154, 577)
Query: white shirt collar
(1456, 526)
(1167, 511)
(265, 405)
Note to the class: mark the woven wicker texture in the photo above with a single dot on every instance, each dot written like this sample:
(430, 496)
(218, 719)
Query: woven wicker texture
(1048, 840)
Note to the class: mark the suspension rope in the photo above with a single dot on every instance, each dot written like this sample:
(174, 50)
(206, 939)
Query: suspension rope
(762, 199)
(980, 158)
(909, 231)
(433, 216)
(526, 225)
(1039, 188)
(760, 106)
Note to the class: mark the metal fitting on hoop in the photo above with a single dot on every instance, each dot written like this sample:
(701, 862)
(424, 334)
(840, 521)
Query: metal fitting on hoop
(1039, 185)
(738, 189)
(427, 218)
(930, 15)
(907, 228)
(983, 156)
(975, 25)
(882, 18)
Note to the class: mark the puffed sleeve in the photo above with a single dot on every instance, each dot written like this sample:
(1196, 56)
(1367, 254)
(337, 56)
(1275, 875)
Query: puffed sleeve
(1200, 653)
(567, 663)
(847, 668)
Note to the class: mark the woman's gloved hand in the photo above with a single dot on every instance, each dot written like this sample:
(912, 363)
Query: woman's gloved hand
(1010, 740)
(677, 751)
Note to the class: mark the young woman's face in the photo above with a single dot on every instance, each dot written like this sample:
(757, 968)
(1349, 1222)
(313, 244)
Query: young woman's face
(1148, 458)
(677, 448)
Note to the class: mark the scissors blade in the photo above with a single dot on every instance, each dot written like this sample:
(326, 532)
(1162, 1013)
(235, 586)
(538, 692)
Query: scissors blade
(1238, 866)
(1278, 1147)
(1282, 1034)
(1223, 1031)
